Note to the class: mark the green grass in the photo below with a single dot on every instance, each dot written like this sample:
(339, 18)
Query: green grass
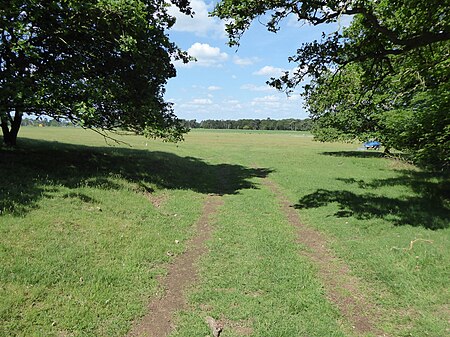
(255, 280)
(371, 208)
(81, 245)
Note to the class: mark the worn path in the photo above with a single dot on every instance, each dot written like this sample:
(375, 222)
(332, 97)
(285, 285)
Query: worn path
(342, 288)
(182, 273)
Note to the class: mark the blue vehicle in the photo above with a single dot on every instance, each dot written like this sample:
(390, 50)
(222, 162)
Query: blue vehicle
(374, 145)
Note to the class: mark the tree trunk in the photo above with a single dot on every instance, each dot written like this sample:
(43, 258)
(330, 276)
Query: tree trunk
(10, 132)
(5, 129)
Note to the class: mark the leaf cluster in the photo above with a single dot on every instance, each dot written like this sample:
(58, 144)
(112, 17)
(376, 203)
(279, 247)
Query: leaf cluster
(99, 63)
(382, 28)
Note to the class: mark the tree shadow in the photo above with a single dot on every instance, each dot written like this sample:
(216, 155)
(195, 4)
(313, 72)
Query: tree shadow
(356, 154)
(429, 206)
(430, 185)
(37, 168)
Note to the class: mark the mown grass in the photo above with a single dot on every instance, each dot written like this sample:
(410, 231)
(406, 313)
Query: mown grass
(370, 209)
(254, 281)
(81, 243)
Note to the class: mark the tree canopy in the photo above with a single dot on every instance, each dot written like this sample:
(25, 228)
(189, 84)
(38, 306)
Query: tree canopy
(98, 63)
(385, 76)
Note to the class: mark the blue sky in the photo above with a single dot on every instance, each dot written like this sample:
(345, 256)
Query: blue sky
(230, 83)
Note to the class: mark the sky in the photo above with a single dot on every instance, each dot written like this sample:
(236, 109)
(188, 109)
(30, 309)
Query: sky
(230, 82)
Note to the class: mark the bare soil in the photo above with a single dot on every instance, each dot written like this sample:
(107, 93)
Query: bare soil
(342, 288)
(182, 274)
(156, 201)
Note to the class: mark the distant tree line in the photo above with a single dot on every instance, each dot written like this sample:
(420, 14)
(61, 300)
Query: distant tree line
(242, 124)
(44, 122)
(252, 124)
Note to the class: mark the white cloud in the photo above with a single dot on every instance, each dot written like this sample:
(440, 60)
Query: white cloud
(274, 106)
(279, 103)
(294, 98)
(173, 100)
(247, 61)
(269, 71)
(232, 104)
(201, 24)
(214, 88)
(200, 101)
(206, 55)
(266, 99)
(253, 87)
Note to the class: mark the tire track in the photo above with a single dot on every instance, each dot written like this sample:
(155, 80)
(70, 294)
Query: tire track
(342, 288)
(182, 274)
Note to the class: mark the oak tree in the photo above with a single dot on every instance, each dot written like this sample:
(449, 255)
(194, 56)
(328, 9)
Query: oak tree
(98, 63)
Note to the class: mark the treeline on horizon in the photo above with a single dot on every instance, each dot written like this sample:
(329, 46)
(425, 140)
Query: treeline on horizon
(45, 122)
(290, 124)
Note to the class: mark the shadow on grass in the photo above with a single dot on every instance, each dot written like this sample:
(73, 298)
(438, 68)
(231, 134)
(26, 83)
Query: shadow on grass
(356, 154)
(429, 206)
(31, 172)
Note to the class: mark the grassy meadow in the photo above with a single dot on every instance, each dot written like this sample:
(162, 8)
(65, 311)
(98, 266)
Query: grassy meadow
(88, 225)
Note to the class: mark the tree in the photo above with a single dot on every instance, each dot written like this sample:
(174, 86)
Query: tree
(404, 111)
(386, 27)
(98, 63)
(406, 107)
(388, 67)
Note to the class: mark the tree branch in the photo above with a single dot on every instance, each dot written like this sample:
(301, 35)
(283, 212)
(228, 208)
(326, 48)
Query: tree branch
(423, 39)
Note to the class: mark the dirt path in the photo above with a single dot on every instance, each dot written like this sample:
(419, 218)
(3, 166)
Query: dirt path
(342, 288)
(182, 273)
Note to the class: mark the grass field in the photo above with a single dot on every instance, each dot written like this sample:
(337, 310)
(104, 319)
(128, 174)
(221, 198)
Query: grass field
(87, 228)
